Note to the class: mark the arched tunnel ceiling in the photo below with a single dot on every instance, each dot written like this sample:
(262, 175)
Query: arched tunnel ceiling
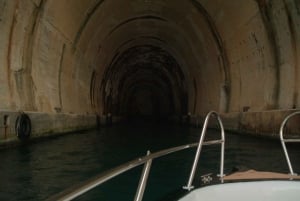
(160, 24)
(140, 65)
(70, 56)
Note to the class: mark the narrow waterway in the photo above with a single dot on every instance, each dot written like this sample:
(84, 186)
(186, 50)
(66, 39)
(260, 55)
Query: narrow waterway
(45, 168)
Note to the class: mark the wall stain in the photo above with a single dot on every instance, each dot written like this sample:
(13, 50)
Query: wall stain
(60, 75)
(266, 15)
(297, 4)
(92, 88)
(26, 90)
(221, 48)
(86, 20)
(9, 51)
(196, 94)
(295, 50)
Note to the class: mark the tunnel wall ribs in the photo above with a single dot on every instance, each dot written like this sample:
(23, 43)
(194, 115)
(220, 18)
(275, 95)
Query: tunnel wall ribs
(240, 58)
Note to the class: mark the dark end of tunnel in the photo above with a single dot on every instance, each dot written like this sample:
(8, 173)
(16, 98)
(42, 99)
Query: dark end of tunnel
(144, 84)
(146, 120)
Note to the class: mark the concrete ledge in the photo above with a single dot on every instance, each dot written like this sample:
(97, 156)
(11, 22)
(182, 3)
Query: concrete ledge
(44, 124)
(268, 123)
(264, 123)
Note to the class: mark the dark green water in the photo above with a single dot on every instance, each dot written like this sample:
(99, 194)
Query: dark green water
(45, 168)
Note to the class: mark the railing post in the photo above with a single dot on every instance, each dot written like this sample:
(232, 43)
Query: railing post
(222, 141)
(287, 140)
(143, 180)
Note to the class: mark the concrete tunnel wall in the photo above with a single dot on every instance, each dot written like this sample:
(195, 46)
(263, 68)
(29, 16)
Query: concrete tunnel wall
(71, 61)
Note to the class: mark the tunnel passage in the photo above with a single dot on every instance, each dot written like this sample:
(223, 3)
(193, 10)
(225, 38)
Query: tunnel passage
(86, 59)
(144, 82)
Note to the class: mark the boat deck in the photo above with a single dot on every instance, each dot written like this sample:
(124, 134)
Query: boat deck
(258, 175)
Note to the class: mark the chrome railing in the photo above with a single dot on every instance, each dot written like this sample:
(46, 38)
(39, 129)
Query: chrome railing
(143, 180)
(199, 148)
(146, 160)
(284, 140)
(75, 192)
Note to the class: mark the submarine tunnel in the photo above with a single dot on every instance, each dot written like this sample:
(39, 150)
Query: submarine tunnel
(72, 64)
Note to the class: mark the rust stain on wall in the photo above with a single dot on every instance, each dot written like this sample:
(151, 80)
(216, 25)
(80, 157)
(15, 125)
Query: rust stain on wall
(9, 49)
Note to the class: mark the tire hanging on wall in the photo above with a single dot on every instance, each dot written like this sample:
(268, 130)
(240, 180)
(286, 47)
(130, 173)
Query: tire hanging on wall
(23, 126)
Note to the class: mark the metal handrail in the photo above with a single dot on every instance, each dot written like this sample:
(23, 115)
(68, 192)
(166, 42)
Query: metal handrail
(283, 141)
(201, 143)
(143, 180)
(75, 192)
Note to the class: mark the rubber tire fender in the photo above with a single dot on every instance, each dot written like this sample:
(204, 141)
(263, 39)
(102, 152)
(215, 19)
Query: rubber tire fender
(23, 126)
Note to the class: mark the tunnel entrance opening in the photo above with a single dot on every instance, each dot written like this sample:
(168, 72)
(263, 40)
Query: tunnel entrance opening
(144, 83)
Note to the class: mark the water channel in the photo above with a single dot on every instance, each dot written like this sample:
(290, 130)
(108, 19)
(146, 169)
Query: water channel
(44, 168)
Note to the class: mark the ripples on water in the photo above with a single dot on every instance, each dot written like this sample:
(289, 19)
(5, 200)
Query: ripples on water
(42, 169)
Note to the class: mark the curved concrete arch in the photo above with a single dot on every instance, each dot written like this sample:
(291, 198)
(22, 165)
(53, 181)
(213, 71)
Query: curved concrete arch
(241, 58)
(136, 19)
(168, 47)
(162, 83)
(224, 64)
(142, 62)
(139, 18)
